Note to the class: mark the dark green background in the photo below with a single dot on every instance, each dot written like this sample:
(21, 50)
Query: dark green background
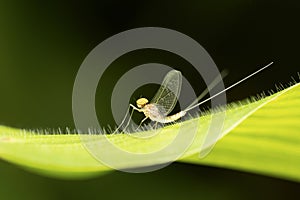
(42, 45)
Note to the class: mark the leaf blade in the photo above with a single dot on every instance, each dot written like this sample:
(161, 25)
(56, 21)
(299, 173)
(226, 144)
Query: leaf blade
(64, 156)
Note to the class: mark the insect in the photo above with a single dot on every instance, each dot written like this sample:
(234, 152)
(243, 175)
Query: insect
(166, 97)
(164, 100)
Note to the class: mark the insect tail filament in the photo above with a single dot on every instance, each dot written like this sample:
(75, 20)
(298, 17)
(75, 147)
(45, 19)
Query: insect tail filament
(247, 77)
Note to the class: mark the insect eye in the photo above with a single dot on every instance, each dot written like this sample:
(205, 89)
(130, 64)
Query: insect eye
(140, 106)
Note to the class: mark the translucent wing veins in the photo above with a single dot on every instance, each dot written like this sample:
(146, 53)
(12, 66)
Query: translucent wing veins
(168, 93)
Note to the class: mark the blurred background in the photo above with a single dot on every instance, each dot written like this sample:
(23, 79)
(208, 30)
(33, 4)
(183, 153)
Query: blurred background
(43, 43)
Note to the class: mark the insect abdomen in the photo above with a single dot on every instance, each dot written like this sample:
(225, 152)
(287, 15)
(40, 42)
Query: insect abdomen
(174, 117)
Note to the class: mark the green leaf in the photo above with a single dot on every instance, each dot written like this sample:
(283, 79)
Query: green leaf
(261, 137)
(267, 142)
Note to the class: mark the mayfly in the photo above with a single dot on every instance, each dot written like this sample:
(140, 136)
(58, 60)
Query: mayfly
(166, 97)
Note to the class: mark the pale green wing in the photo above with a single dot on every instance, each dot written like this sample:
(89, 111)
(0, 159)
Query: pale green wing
(168, 94)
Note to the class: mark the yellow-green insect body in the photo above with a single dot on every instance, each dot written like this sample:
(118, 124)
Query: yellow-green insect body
(155, 112)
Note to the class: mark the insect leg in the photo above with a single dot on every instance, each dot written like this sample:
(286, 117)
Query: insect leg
(129, 119)
(118, 128)
(135, 108)
(141, 123)
(155, 125)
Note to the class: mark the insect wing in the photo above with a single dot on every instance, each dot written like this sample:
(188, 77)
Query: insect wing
(168, 94)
